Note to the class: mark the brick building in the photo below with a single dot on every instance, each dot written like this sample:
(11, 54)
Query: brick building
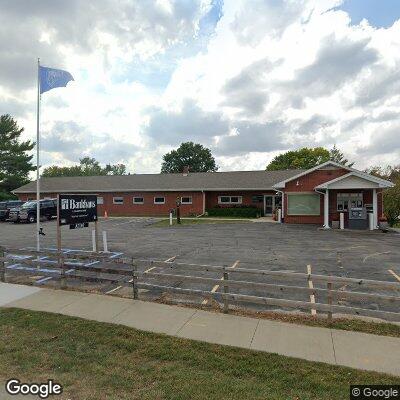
(315, 196)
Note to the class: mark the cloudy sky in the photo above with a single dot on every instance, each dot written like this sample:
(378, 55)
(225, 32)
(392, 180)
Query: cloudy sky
(249, 79)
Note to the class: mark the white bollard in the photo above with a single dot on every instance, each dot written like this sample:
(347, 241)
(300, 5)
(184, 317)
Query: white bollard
(105, 245)
(94, 241)
(341, 215)
(371, 221)
(279, 215)
(170, 219)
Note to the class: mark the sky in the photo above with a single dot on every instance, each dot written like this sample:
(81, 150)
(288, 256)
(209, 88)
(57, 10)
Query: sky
(248, 79)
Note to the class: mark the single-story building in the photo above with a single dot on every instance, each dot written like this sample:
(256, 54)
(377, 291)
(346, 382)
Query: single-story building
(315, 196)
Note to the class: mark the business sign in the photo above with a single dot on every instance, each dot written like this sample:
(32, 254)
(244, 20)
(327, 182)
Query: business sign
(77, 209)
(80, 225)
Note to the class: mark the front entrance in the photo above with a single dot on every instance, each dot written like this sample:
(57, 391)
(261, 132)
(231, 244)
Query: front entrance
(270, 203)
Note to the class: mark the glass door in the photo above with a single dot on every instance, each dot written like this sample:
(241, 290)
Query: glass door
(268, 205)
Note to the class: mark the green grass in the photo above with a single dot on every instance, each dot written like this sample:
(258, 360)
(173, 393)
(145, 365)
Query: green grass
(196, 221)
(94, 360)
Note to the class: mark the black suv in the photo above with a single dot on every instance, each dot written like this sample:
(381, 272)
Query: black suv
(27, 212)
(6, 206)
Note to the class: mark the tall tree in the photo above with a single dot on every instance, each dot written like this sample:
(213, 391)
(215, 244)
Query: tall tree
(336, 155)
(197, 157)
(304, 158)
(87, 167)
(15, 160)
(389, 172)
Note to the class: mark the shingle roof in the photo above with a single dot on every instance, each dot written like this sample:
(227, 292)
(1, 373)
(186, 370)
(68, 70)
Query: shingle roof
(245, 180)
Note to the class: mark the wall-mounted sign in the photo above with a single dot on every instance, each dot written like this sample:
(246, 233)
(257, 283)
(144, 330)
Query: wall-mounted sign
(77, 209)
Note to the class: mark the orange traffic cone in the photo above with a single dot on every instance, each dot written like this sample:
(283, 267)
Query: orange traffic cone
(105, 214)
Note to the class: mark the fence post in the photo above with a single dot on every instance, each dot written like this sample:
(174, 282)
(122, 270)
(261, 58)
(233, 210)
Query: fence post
(62, 270)
(329, 287)
(134, 281)
(226, 290)
(2, 267)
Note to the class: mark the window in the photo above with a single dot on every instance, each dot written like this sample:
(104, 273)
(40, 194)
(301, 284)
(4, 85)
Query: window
(100, 200)
(138, 200)
(230, 199)
(304, 204)
(118, 200)
(349, 200)
(259, 198)
(159, 200)
(186, 200)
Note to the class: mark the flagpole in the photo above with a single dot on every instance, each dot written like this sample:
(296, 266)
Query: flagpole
(38, 163)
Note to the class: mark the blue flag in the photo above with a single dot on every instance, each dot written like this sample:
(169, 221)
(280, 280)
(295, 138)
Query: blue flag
(51, 78)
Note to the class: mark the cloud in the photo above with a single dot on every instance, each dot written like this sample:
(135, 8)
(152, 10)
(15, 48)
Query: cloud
(191, 123)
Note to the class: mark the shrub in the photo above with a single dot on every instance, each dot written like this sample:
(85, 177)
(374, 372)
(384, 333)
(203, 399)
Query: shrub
(234, 211)
(391, 204)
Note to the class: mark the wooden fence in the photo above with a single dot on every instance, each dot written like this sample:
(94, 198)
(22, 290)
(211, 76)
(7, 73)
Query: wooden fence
(134, 272)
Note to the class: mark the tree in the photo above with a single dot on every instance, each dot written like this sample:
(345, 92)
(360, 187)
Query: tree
(15, 160)
(389, 172)
(391, 204)
(304, 158)
(337, 156)
(195, 156)
(87, 167)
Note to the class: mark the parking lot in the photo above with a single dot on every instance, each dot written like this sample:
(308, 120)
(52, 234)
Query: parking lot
(268, 246)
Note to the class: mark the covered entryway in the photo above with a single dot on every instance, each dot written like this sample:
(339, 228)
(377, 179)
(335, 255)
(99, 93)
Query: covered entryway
(352, 201)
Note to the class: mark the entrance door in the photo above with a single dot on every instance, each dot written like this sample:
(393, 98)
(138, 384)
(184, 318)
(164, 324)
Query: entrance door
(268, 205)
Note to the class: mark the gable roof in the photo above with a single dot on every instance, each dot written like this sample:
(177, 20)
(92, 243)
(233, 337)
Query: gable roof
(238, 180)
(356, 172)
(380, 183)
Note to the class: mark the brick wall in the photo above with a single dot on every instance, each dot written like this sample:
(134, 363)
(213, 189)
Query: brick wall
(212, 198)
(148, 208)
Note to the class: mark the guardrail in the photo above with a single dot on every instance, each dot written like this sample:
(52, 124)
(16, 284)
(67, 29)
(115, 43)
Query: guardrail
(126, 271)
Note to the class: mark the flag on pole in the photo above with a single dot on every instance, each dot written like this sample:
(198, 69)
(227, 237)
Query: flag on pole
(51, 78)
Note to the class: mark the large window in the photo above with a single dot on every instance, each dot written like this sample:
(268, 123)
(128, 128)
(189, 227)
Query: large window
(230, 199)
(159, 200)
(258, 198)
(304, 204)
(349, 200)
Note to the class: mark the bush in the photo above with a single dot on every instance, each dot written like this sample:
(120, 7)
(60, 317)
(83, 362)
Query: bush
(235, 211)
(391, 204)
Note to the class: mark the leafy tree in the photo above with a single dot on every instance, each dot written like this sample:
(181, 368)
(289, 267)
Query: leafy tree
(87, 167)
(15, 162)
(390, 173)
(304, 158)
(195, 156)
(336, 155)
(391, 203)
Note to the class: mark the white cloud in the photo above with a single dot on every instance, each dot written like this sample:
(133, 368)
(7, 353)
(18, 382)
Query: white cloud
(267, 76)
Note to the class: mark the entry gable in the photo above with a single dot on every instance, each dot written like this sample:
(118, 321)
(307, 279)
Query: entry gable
(326, 166)
(355, 180)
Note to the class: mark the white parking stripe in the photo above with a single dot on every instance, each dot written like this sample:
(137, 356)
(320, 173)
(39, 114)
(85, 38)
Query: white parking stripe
(394, 274)
(215, 288)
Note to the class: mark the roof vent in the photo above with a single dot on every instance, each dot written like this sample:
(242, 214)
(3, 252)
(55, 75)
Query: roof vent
(186, 170)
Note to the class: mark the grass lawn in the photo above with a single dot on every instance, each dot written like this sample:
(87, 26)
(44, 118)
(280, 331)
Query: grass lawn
(94, 360)
(196, 221)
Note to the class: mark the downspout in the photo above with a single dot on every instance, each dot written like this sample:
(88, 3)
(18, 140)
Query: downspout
(283, 203)
(204, 204)
(324, 206)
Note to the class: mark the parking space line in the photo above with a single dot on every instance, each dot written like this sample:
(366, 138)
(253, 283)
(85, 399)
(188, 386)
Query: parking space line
(375, 254)
(215, 288)
(147, 270)
(394, 274)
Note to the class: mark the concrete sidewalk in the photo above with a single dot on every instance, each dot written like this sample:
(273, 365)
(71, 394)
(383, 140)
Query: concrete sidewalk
(352, 349)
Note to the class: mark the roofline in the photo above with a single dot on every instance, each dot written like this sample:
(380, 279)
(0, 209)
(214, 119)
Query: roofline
(142, 190)
(381, 182)
(326, 163)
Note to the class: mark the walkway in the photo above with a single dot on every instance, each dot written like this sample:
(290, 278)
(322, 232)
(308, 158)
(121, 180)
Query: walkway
(352, 349)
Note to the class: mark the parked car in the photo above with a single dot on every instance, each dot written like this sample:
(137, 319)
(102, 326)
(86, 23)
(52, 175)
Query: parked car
(27, 212)
(6, 206)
